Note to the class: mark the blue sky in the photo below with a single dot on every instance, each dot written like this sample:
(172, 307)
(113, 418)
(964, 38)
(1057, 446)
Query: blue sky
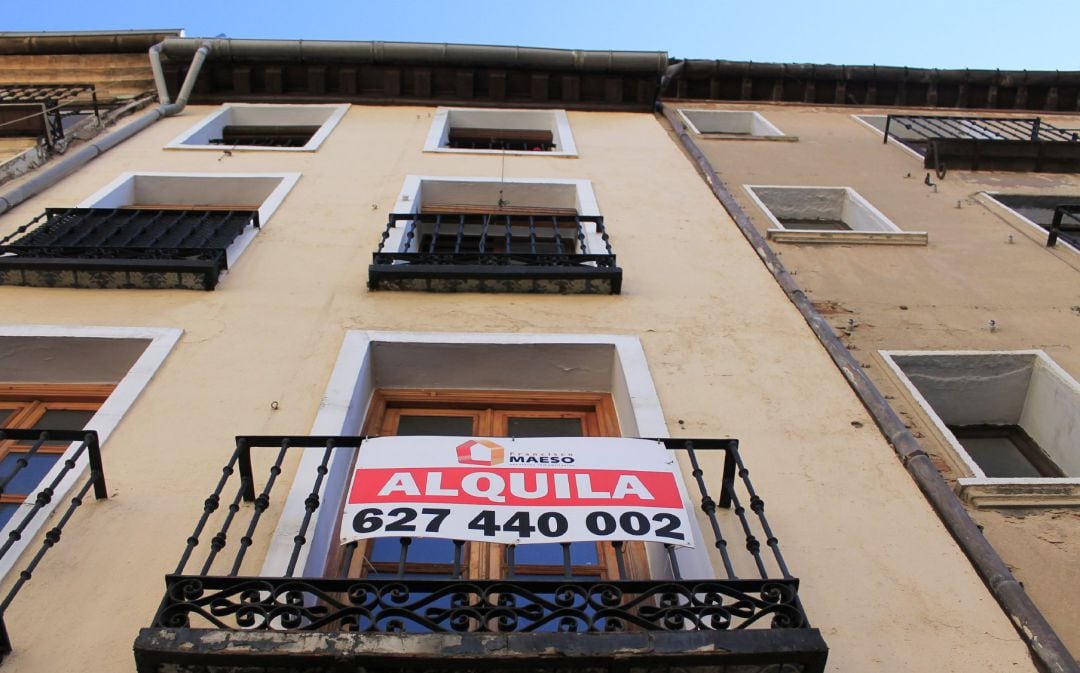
(945, 34)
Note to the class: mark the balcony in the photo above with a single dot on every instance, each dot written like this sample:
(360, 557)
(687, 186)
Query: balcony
(533, 253)
(22, 466)
(155, 248)
(41, 110)
(215, 617)
(987, 143)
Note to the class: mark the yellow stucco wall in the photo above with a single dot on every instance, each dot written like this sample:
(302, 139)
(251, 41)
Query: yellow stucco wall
(728, 354)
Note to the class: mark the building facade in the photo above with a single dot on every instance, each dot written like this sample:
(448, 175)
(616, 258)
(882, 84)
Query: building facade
(335, 240)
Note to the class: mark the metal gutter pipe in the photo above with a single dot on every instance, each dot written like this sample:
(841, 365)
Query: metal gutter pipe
(76, 160)
(1048, 652)
(420, 53)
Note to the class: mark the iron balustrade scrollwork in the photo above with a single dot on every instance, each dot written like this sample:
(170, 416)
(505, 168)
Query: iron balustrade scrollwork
(474, 606)
(87, 445)
(216, 615)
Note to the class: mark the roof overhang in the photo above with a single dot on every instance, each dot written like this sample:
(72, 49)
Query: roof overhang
(415, 73)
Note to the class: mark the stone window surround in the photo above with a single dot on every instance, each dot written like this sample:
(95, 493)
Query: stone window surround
(977, 488)
(410, 199)
(161, 341)
(559, 126)
(766, 129)
(349, 391)
(884, 232)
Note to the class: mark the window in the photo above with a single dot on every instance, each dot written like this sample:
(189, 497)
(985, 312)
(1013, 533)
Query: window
(1012, 420)
(1037, 210)
(731, 124)
(146, 230)
(66, 377)
(610, 365)
(263, 127)
(497, 131)
(466, 413)
(39, 407)
(827, 215)
(491, 235)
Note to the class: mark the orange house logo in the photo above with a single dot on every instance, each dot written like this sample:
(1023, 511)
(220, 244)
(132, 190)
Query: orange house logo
(480, 452)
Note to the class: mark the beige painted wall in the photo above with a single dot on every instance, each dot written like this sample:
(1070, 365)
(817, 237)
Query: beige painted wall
(938, 297)
(729, 356)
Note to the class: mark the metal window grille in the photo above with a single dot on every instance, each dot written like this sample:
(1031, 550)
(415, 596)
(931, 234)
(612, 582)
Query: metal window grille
(495, 252)
(989, 143)
(109, 247)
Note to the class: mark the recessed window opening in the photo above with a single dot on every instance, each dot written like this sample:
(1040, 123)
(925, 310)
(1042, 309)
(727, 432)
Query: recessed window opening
(491, 235)
(827, 214)
(1005, 451)
(261, 193)
(1008, 415)
(63, 378)
(145, 230)
(492, 130)
(723, 123)
(266, 127)
(1038, 210)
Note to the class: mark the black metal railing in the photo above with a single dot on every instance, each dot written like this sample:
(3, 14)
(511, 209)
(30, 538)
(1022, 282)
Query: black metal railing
(41, 108)
(1066, 224)
(517, 140)
(495, 252)
(37, 502)
(265, 136)
(1017, 143)
(754, 594)
(123, 247)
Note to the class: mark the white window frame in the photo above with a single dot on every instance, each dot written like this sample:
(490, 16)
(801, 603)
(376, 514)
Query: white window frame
(888, 233)
(337, 113)
(120, 192)
(977, 488)
(104, 421)
(758, 119)
(410, 199)
(560, 128)
(348, 395)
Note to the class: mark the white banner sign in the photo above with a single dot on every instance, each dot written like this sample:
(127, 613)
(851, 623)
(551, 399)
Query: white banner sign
(516, 491)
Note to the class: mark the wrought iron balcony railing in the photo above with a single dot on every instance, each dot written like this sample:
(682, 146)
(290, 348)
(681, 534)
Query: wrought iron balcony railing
(1066, 225)
(454, 252)
(216, 615)
(123, 247)
(31, 510)
(39, 109)
(987, 143)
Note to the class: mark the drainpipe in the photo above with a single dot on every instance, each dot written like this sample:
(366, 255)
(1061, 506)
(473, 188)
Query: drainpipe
(1049, 653)
(76, 160)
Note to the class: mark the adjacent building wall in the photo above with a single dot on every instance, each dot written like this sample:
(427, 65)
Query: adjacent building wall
(981, 264)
